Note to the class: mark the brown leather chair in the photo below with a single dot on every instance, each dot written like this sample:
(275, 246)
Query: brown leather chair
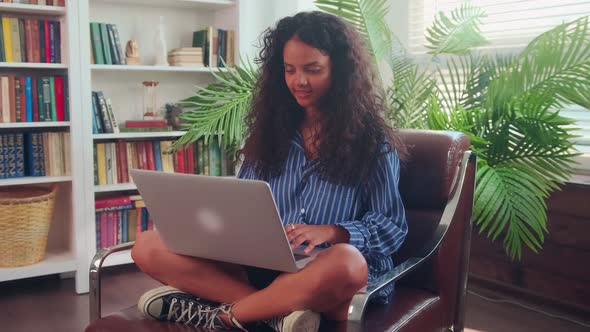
(437, 186)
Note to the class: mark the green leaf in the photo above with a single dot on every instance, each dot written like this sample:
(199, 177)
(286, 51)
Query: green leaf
(457, 34)
(220, 108)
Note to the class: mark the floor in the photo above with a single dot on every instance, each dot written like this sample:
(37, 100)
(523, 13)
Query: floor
(50, 304)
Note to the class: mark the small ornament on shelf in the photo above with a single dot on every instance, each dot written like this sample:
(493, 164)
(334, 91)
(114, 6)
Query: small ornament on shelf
(160, 45)
(132, 53)
(150, 101)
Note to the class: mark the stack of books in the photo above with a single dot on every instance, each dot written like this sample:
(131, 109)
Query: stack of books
(186, 57)
(144, 126)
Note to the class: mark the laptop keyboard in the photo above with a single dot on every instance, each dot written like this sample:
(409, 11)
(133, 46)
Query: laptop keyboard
(299, 256)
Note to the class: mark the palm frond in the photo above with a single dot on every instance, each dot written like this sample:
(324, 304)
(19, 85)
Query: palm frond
(369, 19)
(508, 200)
(555, 65)
(220, 108)
(409, 94)
(457, 34)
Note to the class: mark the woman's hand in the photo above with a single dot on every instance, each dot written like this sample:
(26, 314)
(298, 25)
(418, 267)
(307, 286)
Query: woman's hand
(315, 235)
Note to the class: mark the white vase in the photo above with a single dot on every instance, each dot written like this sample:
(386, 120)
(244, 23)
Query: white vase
(160, 45)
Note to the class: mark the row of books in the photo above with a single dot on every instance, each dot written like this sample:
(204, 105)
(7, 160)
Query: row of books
(34, 154)
(30, 40)
(218, 46)
(103, 119)
(61, 3)
(34, 98)
(106, 44)
(186, 57)
(119, 219)
(113, 160)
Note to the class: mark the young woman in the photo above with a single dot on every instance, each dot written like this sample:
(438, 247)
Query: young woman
(316, 134)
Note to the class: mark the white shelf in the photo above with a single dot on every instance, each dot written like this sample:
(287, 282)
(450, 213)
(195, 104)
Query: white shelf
(32, 65)
(141, 68)
(52, 264)
(33, 180)
(114, 187)
(32, 9)
(118, 258)
(46, 124)
(194, 4)
(139, 135)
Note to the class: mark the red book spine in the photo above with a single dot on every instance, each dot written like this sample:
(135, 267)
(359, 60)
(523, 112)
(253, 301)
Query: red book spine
(36, 48)
(118, 165)
(23, 100)
(146, 124)
(29, 39)
(149, 149)
(47, 49)
(138, 221)
(103, 230)
(180, 161)
(113, 201)
(123, 163)
(190, 160)
(59, 98)
(35, 100)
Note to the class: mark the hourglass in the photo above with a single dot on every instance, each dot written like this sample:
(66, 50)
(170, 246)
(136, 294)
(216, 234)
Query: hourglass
(150, 100)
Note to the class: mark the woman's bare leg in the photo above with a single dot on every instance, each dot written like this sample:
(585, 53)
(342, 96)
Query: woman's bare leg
(325, 285)
(212, 280)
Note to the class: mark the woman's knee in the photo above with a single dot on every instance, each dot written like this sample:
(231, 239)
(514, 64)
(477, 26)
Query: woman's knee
(349, 267)
(144, 250)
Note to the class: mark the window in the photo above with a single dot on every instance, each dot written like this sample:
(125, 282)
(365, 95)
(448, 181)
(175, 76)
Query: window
(510, 25)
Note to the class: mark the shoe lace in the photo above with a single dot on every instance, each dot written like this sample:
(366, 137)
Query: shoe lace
(196, 314)
(276, 323)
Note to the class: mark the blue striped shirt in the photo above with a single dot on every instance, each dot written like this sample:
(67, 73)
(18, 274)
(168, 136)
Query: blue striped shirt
(372, 212)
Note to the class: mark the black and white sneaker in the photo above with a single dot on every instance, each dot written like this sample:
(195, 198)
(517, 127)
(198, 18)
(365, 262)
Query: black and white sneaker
(170, 304)
(297, 321)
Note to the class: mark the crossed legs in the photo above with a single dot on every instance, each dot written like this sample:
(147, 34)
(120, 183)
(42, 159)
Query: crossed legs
(325, 285)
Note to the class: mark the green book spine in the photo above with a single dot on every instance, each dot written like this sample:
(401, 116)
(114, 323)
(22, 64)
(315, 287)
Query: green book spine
(97, 44)
(214, 158)
(104, 37)
(52, 96)
(40, 103)
(201, 156)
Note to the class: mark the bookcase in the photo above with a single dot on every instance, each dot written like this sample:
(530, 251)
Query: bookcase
(73, 238)
(61, 67)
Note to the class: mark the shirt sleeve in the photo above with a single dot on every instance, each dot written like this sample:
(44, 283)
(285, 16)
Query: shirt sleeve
(383, 228)
(247, 172)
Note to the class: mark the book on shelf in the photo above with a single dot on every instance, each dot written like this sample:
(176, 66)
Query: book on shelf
(29, 39)
(119, 219)
(33, 99)
(113, 160)
(34, 154)
(218, 46)
(60, 3)
(103, 116)
(106, 44)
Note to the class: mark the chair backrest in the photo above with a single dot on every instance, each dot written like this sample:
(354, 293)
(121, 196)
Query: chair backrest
(427, 180)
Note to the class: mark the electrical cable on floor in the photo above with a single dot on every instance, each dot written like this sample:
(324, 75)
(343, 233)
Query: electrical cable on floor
(528, 307)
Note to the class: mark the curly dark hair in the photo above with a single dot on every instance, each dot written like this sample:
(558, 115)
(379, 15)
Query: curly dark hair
(354, 130)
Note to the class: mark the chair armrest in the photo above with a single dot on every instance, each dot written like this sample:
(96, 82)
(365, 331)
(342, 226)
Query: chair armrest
(95, 269)
(360, 299)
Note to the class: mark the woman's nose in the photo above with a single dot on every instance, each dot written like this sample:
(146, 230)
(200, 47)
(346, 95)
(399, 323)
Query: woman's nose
(302, 80)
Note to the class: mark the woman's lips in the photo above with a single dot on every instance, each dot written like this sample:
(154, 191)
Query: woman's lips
(302, 94)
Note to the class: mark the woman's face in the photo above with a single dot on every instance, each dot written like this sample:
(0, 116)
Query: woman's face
(308, 72)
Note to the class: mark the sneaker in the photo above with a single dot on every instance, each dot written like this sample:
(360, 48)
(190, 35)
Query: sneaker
(170, 304)
(297, 321)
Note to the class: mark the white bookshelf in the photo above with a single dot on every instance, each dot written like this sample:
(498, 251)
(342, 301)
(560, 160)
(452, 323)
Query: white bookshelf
(182, 4)
(34, 180)
(24, 125)
(66, 232)
(53, 263)
(17, 8)
(109, 188)
(146, 135)
(32, 65)
(145, 68)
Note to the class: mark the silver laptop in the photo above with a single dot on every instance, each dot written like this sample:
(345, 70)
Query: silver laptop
(219, 218)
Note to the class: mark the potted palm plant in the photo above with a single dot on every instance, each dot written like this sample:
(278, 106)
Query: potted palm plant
(508, 104)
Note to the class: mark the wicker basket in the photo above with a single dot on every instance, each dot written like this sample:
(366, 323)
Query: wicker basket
(25, 215)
